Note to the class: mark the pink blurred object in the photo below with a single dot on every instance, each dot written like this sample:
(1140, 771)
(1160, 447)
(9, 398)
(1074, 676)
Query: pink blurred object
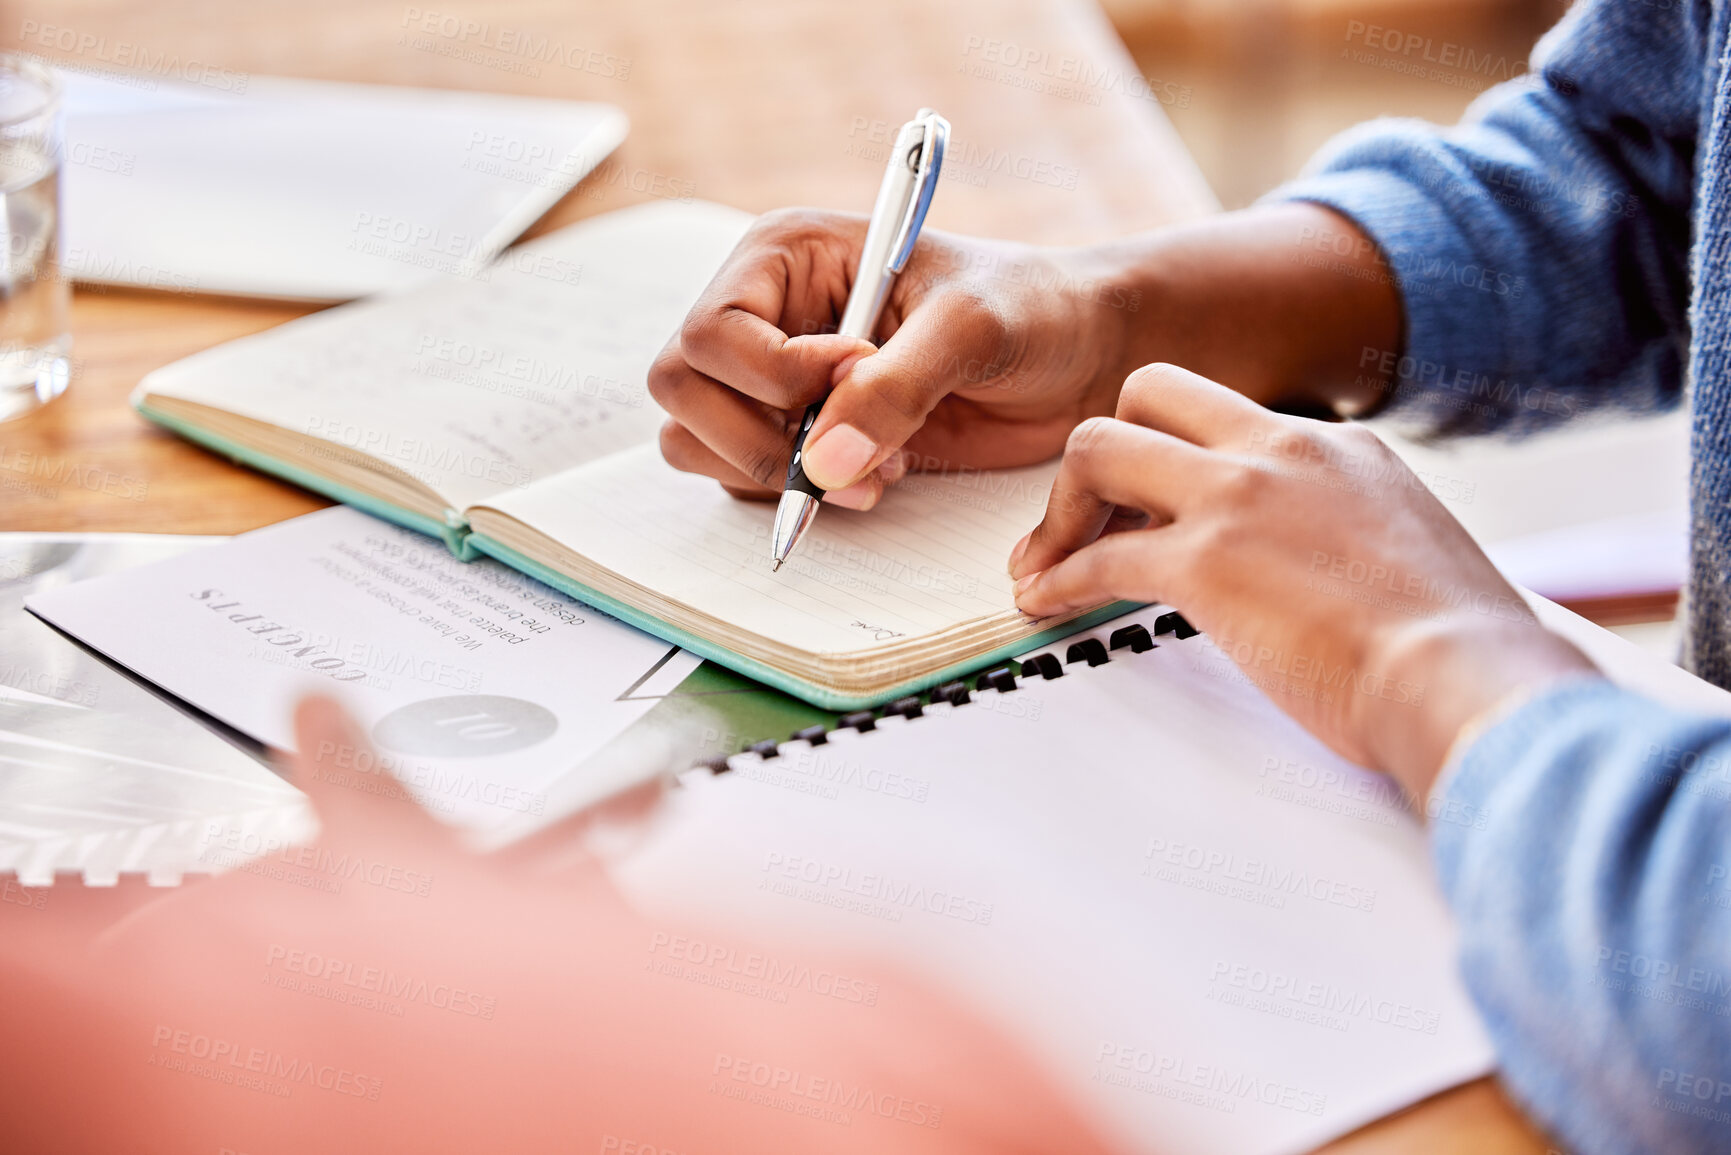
(387, 990)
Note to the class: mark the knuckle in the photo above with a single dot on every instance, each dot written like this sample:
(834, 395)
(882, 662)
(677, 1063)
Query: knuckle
(675, 444)
(938, 258)
(665, 374)
(1209, 543)
(1309, 446)
(980, 315)
(781, 231)
(765, 466)
(1088, 439)
(776, 221)
(897, 391)
(782, 392)
(703, 330)
(1244, 484)
(793, 221)
(1291, 443)
(978, 308)
(1149, 379)
(1358, 438)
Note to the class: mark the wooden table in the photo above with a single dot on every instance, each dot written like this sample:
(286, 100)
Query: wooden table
(757, 104)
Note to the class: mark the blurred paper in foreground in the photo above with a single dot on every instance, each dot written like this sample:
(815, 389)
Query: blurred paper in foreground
(498, 703)
(98, 775)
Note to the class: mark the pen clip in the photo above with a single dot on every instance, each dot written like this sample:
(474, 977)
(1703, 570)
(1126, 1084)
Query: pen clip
(926, 163)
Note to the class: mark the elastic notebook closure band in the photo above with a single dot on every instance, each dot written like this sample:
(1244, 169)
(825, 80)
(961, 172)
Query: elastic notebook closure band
(455, 533)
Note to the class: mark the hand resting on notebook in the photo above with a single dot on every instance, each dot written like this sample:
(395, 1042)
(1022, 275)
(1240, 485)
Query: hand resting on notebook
(1308, 551)
(1306, 548)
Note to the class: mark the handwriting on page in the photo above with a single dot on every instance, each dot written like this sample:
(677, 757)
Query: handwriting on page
(478, 387)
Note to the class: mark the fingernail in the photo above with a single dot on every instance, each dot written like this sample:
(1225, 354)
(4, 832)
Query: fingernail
(836, 460)
(1021, 548)
(859, 495)
(1026, 583)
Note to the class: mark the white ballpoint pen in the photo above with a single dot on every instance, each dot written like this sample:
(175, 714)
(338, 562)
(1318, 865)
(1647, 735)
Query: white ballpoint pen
(903, 198)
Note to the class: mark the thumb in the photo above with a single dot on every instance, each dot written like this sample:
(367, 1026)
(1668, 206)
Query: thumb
(882, 399)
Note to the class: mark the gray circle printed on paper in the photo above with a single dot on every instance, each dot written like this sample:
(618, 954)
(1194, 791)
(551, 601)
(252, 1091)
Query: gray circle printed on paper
(465, 726)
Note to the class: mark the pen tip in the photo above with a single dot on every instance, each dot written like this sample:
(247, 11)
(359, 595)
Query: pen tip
(777, 568)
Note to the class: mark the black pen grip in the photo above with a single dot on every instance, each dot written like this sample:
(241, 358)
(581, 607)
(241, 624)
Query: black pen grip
(796, 478)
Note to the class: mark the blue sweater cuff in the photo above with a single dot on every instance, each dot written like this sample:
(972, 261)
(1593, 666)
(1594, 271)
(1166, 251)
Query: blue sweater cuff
(1580, 842)
(1468, 793)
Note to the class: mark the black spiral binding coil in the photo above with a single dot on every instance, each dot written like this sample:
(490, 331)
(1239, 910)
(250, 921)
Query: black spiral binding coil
(1090, 651)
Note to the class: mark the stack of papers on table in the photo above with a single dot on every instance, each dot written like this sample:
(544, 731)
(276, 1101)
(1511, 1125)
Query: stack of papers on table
(309, 190)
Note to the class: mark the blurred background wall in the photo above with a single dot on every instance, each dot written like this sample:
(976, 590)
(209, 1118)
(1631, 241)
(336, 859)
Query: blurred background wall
(1254, 86)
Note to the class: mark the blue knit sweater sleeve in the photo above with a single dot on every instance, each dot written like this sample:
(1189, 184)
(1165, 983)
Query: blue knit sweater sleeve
(1540, 247)
(1584, 843)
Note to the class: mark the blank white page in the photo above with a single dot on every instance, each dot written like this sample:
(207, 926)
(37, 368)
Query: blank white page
(1217, 934)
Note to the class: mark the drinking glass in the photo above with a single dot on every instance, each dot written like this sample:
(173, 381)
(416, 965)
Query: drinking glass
(35, 297)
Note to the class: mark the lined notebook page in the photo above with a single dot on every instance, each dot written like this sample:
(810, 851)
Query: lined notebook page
(479, 387)
(930, 556)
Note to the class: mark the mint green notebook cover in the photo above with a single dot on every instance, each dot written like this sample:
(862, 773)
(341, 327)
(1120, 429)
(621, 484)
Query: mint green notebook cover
(468, 546)
(453, 534)
(769, 675)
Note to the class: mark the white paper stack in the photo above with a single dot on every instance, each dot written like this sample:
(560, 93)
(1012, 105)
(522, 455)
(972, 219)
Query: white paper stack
(308, 190)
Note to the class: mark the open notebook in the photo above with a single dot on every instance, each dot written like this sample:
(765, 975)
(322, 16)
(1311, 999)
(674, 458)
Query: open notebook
(509, 415)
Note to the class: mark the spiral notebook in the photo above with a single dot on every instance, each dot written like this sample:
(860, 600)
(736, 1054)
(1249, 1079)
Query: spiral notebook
(1219, 935)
